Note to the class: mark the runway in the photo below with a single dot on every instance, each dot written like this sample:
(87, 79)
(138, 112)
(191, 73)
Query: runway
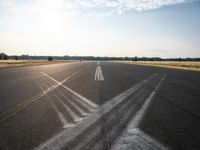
(95, 105)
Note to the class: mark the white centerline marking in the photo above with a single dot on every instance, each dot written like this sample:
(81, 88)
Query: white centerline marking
(98, 74)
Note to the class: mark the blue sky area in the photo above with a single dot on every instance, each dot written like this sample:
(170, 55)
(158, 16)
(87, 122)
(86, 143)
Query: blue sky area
(168, 28)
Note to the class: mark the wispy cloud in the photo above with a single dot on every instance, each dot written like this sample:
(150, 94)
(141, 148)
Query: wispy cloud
(120, 6)
(89, 7)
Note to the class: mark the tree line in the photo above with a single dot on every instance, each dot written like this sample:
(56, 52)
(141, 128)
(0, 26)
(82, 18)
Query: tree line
(4, 56)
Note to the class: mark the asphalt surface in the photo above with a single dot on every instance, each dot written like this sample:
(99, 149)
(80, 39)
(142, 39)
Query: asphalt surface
(99, 105)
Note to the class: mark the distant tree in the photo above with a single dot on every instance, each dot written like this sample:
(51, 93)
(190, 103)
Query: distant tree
(152, 59)
(135, 59)
(188, 59)
(24, 57)
(50, 58)
(126, 58)
(16, 57)
(3, 56)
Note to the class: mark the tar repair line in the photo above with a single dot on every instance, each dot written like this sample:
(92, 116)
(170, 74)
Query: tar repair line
(130, 134)
(98, 74)
(59, 140)
(90, 103)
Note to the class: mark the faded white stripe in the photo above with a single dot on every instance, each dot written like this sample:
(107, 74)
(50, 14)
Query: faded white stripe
(73, 115)
(82, 103)
(63, 120)
(66, 136)
(130, 135)
(80, 110)
(90, 103)
(137, 119)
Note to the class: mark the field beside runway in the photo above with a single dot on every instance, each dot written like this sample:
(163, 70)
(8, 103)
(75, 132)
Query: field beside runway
(22, 63)
(186, 65)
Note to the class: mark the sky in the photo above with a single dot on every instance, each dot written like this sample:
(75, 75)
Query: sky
(150, 28)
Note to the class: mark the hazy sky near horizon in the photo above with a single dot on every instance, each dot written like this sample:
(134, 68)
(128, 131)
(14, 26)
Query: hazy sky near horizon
(164, 28)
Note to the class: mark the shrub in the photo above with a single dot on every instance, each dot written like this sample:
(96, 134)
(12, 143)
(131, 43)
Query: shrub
(50, 58)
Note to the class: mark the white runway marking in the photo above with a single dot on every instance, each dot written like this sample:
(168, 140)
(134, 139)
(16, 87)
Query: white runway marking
(82, 103)
(59, 83)
(79, 109)
(137, 119)
(14, 110)
(98, 74)
(129, 137)
(59, 140)
(98, 63)
(64, 122)
(137, 139)
(90, 103)
(73, 115)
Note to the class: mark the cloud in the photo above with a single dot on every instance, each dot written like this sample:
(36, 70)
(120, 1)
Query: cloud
(90, 7)
(121, 6)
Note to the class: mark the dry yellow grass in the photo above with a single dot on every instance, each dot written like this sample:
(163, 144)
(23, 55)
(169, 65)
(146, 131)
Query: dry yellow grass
(186, 65)
(21, 63)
